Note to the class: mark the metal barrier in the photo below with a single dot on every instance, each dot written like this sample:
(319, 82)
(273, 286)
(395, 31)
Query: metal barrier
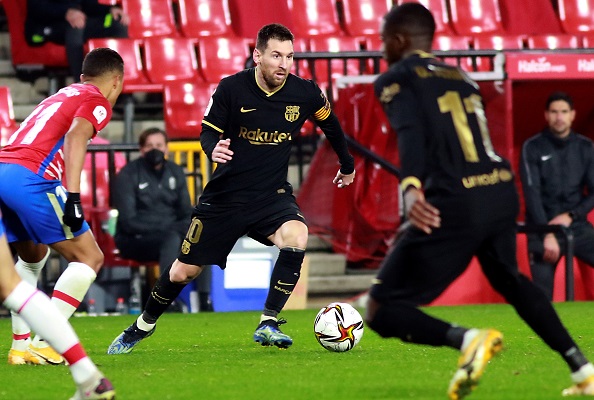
(187, 154)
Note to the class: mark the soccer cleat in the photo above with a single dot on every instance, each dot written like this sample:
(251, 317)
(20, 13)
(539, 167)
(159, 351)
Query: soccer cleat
(126, 341)
(269, 334)
(43, 356)
(16, 357)
(583, 388)
(96, 388)
(473, 361)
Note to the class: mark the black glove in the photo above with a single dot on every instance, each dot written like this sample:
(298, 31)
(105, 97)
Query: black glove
(73, 212)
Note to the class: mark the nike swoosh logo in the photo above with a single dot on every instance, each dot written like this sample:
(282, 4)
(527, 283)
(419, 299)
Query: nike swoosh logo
(244, 110)
(143, 185)
(285, 284)
(77, 213)
(547, 157)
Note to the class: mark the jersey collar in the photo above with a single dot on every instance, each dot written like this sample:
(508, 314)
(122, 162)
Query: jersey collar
(268, 93)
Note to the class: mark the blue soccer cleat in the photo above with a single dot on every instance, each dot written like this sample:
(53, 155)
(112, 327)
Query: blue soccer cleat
(269, 334)
(126, 341)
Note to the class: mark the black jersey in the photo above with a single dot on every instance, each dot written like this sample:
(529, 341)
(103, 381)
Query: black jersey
(261, 126)
(443, 140)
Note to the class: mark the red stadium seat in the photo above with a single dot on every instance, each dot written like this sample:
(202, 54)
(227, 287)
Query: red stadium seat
(588, 41)
(439, 10)
(221, 57)
(363, 17)
(25, 58)
(300, 46)
(150, 18)
(135, 79)
(314, 18)
(199, 18)
(338, 67)
(495, 42)
(169, 59)
(532, 17)
(446, 43)
(184, 105)
(374, 43)
(552, 42)
(471, 17)
(576, 16)
(8, 124)
(247, 17)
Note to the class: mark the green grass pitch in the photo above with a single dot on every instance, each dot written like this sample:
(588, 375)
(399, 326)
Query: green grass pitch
(212, 356)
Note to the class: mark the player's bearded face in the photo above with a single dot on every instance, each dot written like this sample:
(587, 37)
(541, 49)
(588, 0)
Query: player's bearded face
(276, 62)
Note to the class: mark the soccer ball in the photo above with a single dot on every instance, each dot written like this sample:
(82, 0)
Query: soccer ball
(338, 327)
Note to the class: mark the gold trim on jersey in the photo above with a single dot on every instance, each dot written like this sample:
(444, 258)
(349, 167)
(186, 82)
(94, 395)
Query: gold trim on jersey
(268, 94)
(410, 181)
(212, 126)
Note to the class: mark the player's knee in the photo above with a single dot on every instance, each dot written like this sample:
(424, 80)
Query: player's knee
(183, 273)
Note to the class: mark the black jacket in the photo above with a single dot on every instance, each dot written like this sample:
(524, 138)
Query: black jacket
(148, 201)
(557, 176)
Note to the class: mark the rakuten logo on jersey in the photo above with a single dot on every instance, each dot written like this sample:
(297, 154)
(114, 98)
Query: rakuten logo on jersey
(263, 137)
(100, 113)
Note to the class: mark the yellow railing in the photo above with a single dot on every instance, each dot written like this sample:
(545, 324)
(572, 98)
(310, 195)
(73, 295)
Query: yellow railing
(184, 154)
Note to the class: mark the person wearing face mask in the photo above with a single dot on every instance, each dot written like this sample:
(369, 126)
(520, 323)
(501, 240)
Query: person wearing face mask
(154, 207)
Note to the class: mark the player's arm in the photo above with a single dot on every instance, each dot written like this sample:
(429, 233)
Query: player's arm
(75, 150)
(530, 178)
(404, 115)
(328, 122)
(215, 119)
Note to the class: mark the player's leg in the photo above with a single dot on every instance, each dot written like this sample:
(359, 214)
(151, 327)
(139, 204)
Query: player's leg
(416, 271)
(166, 290)
(209, 240)
(38, 312)
(291, 239)
(29, 270)
(500, 266)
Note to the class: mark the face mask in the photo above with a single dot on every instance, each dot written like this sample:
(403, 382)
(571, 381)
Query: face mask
(154, 157)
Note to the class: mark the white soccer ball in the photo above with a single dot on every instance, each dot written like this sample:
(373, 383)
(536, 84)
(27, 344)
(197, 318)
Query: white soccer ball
(338, 327)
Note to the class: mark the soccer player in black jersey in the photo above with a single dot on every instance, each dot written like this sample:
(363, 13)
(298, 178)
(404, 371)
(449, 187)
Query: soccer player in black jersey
(460, 200)
(248, 129)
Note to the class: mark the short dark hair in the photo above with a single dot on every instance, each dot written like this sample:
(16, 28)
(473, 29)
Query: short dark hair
(102, 60)
(148, 132)
(272, 31)
(559, 96)
(410, 18)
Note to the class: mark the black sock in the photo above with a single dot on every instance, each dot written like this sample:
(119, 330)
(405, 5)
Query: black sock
(163, 294)
(455, 337)
(407, 322)
(574, 358)
(283, 280)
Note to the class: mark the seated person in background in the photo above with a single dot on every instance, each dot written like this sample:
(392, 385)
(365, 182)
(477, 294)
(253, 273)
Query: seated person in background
(557, 171)
(154, 207)
(72, 23)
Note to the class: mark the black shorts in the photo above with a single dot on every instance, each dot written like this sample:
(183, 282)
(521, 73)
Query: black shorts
(420, 267)
(215, 228)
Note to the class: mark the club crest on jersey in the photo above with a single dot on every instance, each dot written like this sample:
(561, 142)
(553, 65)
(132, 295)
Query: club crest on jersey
(292, 113)
(100, 113)
(388, 92)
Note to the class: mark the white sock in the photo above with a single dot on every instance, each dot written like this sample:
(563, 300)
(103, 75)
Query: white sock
(39, 312)
(266, 318)
(29, 272)
(142, 324)
(581, 374)
(468, 337)
(69, 291)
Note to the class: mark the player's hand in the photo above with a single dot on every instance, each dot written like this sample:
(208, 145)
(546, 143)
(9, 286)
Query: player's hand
(76, 18)
(552, 251)
(221, 153)
(73, 212)
(120, 15)
(419, 212)
(562, 219)
(343, 180)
